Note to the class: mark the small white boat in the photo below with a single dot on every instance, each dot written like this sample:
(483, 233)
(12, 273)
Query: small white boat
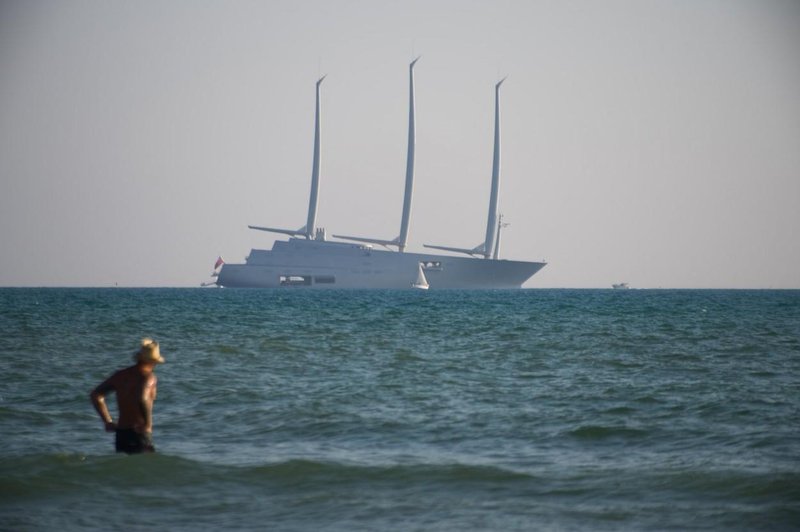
(421, 283)
(620, 286)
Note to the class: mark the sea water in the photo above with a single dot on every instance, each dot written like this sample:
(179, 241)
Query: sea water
(407, 410)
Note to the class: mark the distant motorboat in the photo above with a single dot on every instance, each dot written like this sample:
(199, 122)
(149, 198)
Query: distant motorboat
(421, 283)
(620, 286)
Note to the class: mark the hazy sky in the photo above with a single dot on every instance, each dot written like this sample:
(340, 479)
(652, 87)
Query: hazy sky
(654, 142)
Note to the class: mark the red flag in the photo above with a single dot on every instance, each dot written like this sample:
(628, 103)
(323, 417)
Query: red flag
(219, 263)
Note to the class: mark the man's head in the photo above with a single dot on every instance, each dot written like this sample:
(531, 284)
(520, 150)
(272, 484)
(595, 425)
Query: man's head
(148, 353)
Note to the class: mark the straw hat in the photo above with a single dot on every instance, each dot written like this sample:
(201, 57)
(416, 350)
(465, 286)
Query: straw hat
(149, 352)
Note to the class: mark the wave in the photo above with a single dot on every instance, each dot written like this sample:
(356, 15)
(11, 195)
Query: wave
(341, 472)
(38, 474)
(73, 491)
(736, 484)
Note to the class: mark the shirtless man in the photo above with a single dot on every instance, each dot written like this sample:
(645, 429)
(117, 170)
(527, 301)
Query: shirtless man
(136, 391)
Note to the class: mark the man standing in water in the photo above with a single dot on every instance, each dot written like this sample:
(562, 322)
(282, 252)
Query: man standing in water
(136, 391)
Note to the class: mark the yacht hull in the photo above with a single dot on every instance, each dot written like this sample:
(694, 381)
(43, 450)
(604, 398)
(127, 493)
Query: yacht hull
(300, 263)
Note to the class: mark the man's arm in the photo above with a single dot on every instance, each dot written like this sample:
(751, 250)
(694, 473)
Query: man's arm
(98, 397)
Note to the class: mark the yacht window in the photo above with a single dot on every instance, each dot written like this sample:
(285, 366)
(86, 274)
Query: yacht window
(295, 280)
(325, 279)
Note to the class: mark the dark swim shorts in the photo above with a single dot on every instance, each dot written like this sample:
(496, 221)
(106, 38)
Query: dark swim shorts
(131, 442)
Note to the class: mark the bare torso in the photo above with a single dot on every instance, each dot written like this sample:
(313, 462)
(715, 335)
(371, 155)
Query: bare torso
(135, 388)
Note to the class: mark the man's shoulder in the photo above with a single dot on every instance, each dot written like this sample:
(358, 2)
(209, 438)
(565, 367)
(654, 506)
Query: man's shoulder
(124, 374)
(113, 381)
(125, 371)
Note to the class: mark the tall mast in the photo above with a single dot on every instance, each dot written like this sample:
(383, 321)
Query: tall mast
(412, 132)
(491, 223)
(402, 240)
(488, 246)
(310, 228)
(311, 223)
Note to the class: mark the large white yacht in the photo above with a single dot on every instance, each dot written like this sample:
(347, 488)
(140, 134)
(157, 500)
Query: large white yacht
(308, 259)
